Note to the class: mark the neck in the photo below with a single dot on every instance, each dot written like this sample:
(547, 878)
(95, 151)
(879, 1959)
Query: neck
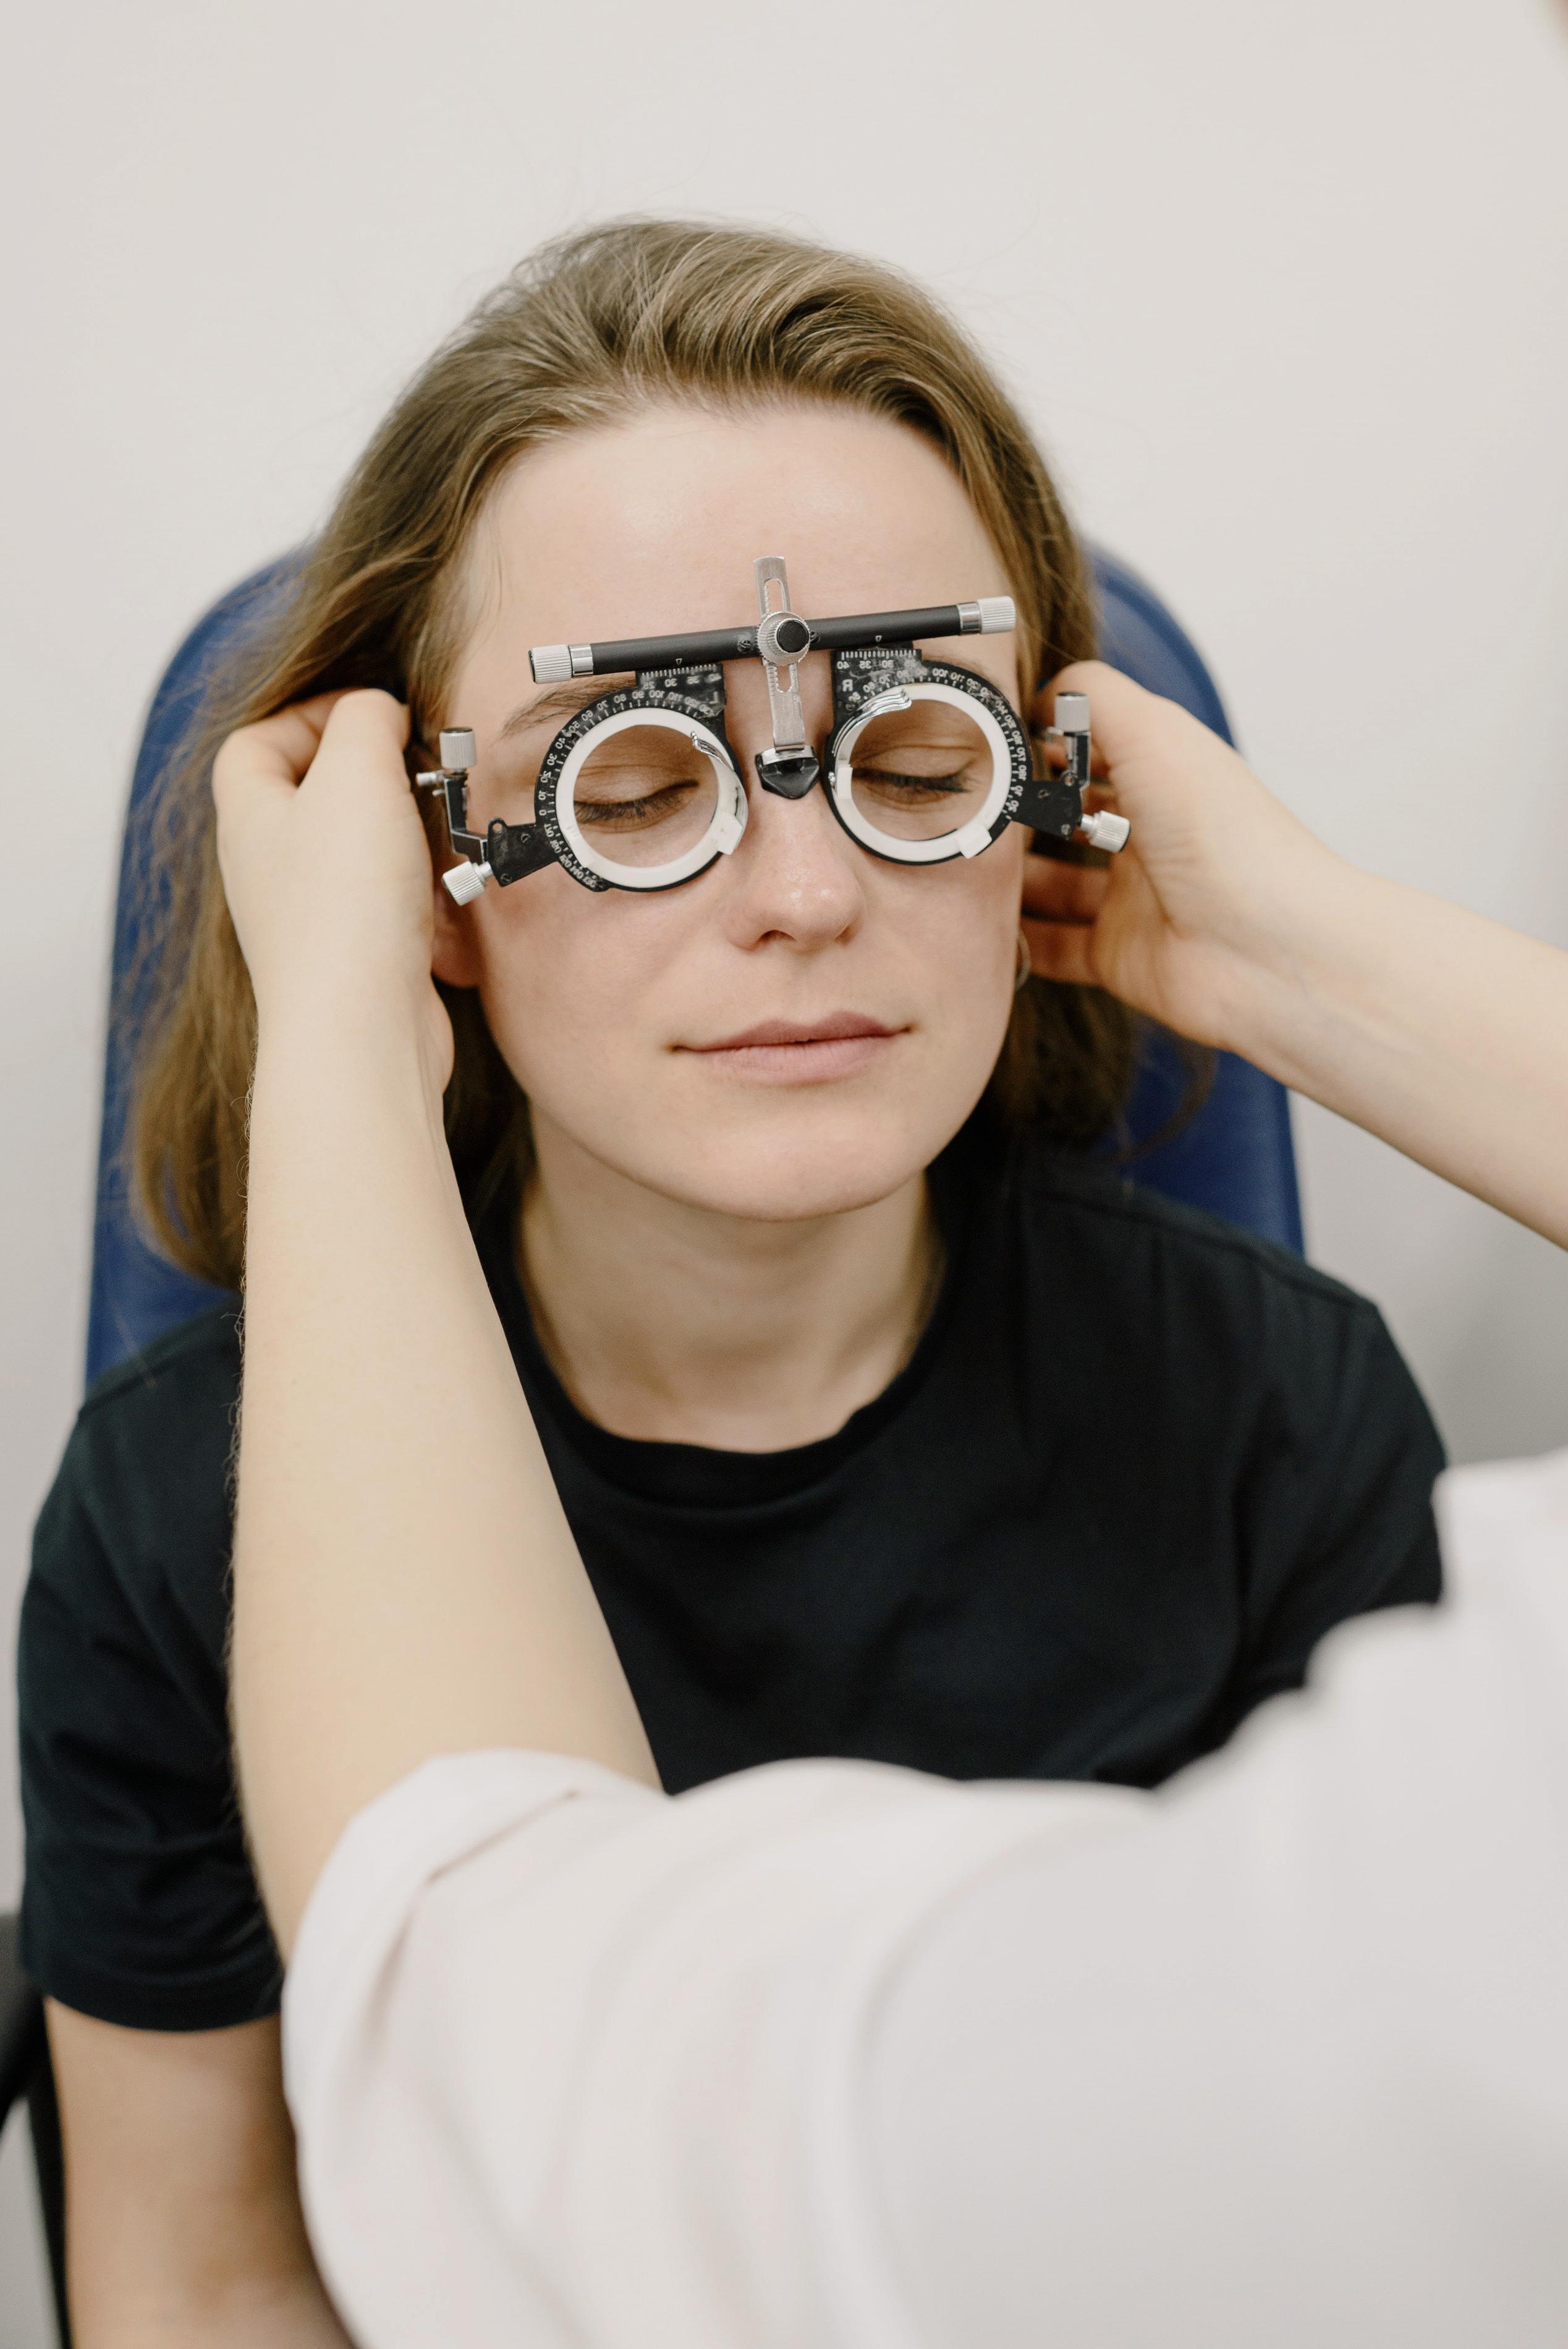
(679, 1324)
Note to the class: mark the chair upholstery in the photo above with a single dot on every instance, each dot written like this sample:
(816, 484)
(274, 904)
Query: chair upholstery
(1234, 1157)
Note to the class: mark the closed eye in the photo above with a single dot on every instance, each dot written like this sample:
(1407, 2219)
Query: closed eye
(934, 786)
(632, 816)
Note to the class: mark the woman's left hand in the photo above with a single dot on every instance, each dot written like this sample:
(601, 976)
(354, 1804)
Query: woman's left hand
(326, 868)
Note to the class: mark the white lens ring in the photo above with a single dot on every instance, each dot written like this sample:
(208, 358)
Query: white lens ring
(723, 832)
(971, 837)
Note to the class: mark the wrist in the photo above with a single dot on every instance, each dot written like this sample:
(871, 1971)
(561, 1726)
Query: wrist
(344, 1041)
(1308, 969)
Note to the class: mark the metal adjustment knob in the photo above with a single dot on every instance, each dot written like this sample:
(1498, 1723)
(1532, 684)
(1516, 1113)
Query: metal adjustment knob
(1103, 830)
(782, 637)
(457, 751)
(992, 615)
(463, 883)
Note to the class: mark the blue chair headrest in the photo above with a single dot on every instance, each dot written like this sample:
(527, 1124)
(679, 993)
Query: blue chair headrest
(1234, 1157)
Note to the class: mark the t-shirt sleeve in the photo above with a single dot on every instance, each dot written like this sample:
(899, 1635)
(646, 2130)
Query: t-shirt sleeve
(1337, 1497)
(140, 1907)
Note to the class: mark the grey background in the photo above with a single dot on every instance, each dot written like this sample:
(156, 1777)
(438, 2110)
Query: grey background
(1284, 289)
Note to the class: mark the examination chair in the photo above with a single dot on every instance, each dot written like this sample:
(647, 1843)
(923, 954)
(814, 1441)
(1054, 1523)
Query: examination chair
(1232, 1157)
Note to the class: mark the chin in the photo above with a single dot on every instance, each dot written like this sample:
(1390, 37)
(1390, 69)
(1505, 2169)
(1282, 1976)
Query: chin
(792, 1176)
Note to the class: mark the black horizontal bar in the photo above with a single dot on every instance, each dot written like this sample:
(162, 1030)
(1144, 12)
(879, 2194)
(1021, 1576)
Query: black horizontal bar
(638, 653)
(673, 652)
(888, 627)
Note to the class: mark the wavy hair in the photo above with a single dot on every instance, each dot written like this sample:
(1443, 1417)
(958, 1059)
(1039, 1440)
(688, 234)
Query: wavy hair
(585, 333)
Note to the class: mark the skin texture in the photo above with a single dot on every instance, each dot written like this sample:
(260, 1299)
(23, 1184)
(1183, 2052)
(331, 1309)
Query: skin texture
(717, 1252)
(218, 2254)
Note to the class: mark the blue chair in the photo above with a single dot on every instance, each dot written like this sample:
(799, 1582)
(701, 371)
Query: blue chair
(1234, 1157)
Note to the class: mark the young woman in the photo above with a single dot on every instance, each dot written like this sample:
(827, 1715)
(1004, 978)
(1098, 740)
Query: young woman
(886, 1426)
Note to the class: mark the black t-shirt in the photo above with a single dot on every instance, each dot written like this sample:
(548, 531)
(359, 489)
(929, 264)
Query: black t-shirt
(1137, 1465)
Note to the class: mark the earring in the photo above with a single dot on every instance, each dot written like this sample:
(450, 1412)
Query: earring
(1025, 965)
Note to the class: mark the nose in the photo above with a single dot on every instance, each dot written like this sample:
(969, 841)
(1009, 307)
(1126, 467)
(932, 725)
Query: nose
(795, 878)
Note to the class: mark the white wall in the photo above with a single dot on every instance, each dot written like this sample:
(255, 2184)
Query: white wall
(1285, 288)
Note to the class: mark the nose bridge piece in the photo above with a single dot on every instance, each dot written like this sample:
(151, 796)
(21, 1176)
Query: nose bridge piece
(799, 873)
(790, 767)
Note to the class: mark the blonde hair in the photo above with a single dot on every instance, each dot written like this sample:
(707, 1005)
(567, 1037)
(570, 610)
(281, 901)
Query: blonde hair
(585, 333)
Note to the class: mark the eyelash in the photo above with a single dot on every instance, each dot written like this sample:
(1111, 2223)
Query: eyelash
(604, 809)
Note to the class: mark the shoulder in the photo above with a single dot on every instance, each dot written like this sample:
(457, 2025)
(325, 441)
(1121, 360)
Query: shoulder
(1245, 1371)
(1207, 1319)
(1119, 1223)
(183, 1389)
(143, 1484)
(184, 1364)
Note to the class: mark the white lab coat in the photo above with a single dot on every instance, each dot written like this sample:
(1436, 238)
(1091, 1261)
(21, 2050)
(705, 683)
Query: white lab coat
(832, 2054)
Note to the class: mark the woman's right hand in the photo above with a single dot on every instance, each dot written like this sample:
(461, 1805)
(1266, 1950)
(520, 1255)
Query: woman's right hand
(1218, 891)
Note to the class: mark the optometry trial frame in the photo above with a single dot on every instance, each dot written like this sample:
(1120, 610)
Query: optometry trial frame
(640, 790)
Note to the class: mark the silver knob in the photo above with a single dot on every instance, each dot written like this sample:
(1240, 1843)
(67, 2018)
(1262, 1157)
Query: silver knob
(992, 615)
(457, 752)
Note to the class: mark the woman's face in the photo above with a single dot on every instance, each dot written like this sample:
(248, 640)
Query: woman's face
(625, 1017)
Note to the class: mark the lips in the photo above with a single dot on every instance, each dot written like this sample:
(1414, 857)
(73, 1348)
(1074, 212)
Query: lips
(800, 1052)
(836, 1028)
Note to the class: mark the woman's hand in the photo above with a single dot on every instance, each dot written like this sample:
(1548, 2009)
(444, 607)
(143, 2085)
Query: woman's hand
(1216, 893)
(326, 869)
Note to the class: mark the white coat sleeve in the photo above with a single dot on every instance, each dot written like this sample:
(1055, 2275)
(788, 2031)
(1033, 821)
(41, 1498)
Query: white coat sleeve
(830, 2054)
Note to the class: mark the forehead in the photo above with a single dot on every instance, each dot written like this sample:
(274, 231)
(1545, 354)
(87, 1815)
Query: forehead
(653, 526)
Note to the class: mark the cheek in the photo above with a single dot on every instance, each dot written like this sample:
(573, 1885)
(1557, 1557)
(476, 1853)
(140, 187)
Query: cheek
(951, 933)
(959, 923)
(570, 978)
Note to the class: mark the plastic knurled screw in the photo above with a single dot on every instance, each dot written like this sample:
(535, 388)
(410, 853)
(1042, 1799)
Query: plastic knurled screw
(463, 883)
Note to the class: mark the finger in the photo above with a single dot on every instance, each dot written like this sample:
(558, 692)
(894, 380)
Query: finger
(1062, 950)
(274, 753)
(1062, 893)
(361, 751)
(276, 756)
(368, 719)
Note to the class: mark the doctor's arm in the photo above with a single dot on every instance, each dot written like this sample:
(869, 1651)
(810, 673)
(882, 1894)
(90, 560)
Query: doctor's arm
(404, 1571)
(1443, 1033)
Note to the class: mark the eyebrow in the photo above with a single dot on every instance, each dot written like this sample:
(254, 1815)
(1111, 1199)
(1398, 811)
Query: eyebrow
(561, 701)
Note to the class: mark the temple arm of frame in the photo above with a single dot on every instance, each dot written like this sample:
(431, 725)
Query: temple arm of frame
(1053, 804)
(992, 615)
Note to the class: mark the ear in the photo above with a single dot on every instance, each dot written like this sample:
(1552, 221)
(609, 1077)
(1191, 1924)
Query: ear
(453, 949)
